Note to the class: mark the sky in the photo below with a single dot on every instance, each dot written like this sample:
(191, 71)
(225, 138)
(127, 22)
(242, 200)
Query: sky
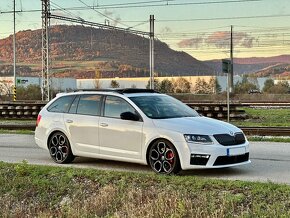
(261, 28)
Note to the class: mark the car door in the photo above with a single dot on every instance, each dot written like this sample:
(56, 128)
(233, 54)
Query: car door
(118, 137)
(82, 123)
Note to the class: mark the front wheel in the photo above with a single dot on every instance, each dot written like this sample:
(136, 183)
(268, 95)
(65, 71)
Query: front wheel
(163, 157)
(59, 148)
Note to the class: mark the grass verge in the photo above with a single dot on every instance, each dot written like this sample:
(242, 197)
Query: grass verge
(268, 139)
(41, 191)
(265, 117)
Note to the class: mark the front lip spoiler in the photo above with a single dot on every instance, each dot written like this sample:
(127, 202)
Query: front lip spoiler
(192, 167)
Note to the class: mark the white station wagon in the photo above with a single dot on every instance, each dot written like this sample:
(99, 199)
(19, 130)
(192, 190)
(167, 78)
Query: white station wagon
(140, 126)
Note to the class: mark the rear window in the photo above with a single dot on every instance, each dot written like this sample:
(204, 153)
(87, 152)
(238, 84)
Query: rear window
(62, 104)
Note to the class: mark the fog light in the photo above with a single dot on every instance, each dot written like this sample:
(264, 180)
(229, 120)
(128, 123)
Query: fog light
(199, 159)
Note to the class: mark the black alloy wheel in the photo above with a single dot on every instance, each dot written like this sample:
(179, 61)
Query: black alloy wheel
(163, 157)
(59, 148)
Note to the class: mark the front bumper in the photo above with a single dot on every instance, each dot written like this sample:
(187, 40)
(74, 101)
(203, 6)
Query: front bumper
(213, 155)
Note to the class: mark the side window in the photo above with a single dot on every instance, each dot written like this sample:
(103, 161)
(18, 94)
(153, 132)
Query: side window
(114, 106)
(89, 105)
(62, 104)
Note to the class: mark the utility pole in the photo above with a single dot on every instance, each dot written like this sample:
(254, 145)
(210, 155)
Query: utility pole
(45, 55)
(151, 52)
(14, 54)
(226, 68)
(231, 76)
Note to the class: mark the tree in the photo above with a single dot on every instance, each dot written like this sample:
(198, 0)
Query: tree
(156, 85)
(114, 84)
(283, 83)
(268, 84)
(202, 87)
(182, 85)
(244, 86)
(166, 86)
(97, 82)
(31, 92)
(5, 88)
(212, 85)
(281, 87)
(254, 80)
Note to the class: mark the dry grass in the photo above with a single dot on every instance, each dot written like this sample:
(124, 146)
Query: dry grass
(37, 191)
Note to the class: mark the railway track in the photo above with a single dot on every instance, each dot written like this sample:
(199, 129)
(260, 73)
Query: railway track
(267, 131)
(259, 131)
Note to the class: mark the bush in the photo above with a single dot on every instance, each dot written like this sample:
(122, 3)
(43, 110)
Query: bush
(114, 84)
(31, 92)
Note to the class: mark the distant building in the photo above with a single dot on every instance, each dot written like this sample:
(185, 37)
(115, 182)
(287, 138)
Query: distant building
(58, 84)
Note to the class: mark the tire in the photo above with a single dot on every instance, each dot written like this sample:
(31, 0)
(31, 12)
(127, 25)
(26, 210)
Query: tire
(59, 148)
(163, 157)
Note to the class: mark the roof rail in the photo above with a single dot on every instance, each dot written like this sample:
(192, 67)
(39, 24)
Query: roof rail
(122, 91)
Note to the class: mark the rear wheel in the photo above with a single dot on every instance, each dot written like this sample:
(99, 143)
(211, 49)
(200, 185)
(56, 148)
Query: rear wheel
(59, 148)
(163, 157)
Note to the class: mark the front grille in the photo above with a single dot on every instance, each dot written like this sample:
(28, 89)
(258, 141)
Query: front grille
(228, 140)
(225, 160)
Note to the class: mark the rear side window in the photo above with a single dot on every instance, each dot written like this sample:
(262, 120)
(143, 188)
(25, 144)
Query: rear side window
(62, 104)
(89, 105)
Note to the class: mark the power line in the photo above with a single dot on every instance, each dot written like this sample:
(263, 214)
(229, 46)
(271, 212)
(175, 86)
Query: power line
(224, 18)
(104, 15)
(166, 3)
(145, 4)
(63, 10)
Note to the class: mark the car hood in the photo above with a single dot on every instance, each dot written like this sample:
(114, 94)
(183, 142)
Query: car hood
(196, 125)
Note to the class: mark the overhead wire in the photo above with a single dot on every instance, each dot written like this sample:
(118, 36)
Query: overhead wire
(129, 5)
(166, 3)
(104, 15)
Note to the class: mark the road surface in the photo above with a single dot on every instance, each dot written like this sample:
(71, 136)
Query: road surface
(270, 160)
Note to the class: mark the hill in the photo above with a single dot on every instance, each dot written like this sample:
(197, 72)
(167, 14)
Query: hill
(260, 66)
(78, 51)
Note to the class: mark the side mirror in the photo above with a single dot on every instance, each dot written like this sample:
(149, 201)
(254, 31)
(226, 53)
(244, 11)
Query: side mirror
(129, 116)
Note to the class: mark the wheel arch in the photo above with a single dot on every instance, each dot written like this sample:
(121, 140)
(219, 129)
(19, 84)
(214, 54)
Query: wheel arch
(151, 144)
(52, 133)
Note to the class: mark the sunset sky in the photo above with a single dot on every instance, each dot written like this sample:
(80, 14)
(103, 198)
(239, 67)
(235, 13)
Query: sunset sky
(198, 27)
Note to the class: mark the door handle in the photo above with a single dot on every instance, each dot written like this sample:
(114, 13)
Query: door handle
(104, 124)
(69, 121)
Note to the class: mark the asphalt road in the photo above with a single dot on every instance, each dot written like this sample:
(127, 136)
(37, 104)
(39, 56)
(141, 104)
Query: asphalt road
(270, 161)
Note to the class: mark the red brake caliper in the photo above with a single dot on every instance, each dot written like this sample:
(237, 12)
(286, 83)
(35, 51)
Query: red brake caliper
(170, 155)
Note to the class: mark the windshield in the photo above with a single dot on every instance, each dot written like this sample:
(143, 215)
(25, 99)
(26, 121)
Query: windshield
(163, 107)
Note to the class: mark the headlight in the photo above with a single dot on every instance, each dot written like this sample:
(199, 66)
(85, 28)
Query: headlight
(205, 139)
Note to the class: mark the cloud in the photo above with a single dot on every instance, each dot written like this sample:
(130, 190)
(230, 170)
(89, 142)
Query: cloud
(190, 43)
(108, 13)
(219, 39)
(117, 20)
(166, 30)
(114, 18)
